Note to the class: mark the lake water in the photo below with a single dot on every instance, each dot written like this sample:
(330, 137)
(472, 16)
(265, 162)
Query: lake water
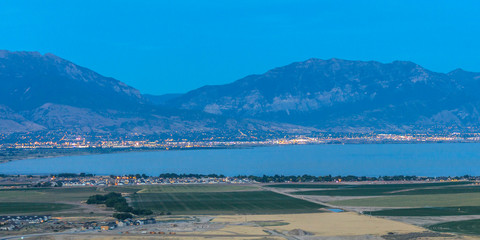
(441, 159)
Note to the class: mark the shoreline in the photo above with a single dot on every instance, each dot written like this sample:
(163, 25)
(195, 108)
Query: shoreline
(44, 153)
(66, 152)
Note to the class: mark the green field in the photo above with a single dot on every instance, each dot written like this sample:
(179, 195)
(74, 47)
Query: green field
(436, 200)
(181, 188)
(364, 186)
(46, 200)
(429, 211)
(241, 202)
(196, 188)
(50, 199)
(47, 194)
(394, 189)
(471, 227)
(23, 207)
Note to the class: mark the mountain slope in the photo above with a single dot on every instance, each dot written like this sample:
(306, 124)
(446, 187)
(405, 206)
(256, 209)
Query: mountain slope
(30, 79)
(161, 99)
(343, 95)
(47, 93)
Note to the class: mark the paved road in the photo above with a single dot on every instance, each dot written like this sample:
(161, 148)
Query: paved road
(300, 197)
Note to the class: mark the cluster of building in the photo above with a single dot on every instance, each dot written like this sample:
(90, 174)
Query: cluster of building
(74, 180)
(105, 226)
(9, 223)
(85, 180)
(133, 180)
(88, 142)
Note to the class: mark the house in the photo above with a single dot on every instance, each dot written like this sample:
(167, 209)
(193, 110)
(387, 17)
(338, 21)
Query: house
(150, 221)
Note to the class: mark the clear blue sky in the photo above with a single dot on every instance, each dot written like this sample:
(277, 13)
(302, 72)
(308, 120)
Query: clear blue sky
(175, 46)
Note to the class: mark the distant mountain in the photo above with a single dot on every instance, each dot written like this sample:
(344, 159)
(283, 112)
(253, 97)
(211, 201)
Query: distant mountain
(344, 96)
(47, 93)
(161, 99)
(11, 122)
(30, 79)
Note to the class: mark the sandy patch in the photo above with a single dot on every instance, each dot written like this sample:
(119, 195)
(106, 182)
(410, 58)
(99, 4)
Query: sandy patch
(329, 224)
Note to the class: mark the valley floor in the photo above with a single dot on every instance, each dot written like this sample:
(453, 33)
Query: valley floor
(276, 211)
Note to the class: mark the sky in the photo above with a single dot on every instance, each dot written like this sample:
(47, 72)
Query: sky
(162, 46)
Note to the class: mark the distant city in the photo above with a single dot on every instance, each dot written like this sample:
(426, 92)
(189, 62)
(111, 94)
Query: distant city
(85, 141)
(91, 180)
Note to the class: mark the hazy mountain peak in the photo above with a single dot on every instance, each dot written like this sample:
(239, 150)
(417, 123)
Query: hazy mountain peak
(335, 92)
(30, 79)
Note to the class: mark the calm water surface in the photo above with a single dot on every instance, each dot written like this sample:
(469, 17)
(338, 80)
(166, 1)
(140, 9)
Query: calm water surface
(363, 159)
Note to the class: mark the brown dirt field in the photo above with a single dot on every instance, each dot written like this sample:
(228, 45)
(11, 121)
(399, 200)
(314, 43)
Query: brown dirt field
(329, 224)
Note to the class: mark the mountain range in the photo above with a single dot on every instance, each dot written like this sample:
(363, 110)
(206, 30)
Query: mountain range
(47, 93)
(348, 96)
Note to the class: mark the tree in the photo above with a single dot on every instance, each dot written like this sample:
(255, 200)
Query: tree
(122, 216)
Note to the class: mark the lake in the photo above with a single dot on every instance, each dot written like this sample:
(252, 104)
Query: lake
(438, 159)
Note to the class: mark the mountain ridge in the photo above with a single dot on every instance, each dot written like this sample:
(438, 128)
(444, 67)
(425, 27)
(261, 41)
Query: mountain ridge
(48, 93)
(29, 79)
(328, 94)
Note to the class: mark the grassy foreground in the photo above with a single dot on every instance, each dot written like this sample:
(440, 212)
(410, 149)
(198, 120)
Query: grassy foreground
(415, 201)
(241, 202)
(428, 211)
(181, 188)
(392, 186)
(395, 189)
(23, 207)
(470, 227)
(177, 199)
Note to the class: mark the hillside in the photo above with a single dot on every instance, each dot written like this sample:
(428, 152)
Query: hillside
(47, 93)
(341, 95)
(30, 79)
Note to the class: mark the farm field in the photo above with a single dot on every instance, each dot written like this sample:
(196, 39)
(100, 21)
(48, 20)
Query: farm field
(341, 186)
(393, 189)
(59, 200)
(310, 186)
(249, 208)
(438, 200)
(240, 202)
(196, 188)
(47, 194)
(281, 226)
(414, 201)
(54, 201)
(469, 227)
(26, 207)
(427, 211)
(181, 188)
(328, 224)
(438, 207)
